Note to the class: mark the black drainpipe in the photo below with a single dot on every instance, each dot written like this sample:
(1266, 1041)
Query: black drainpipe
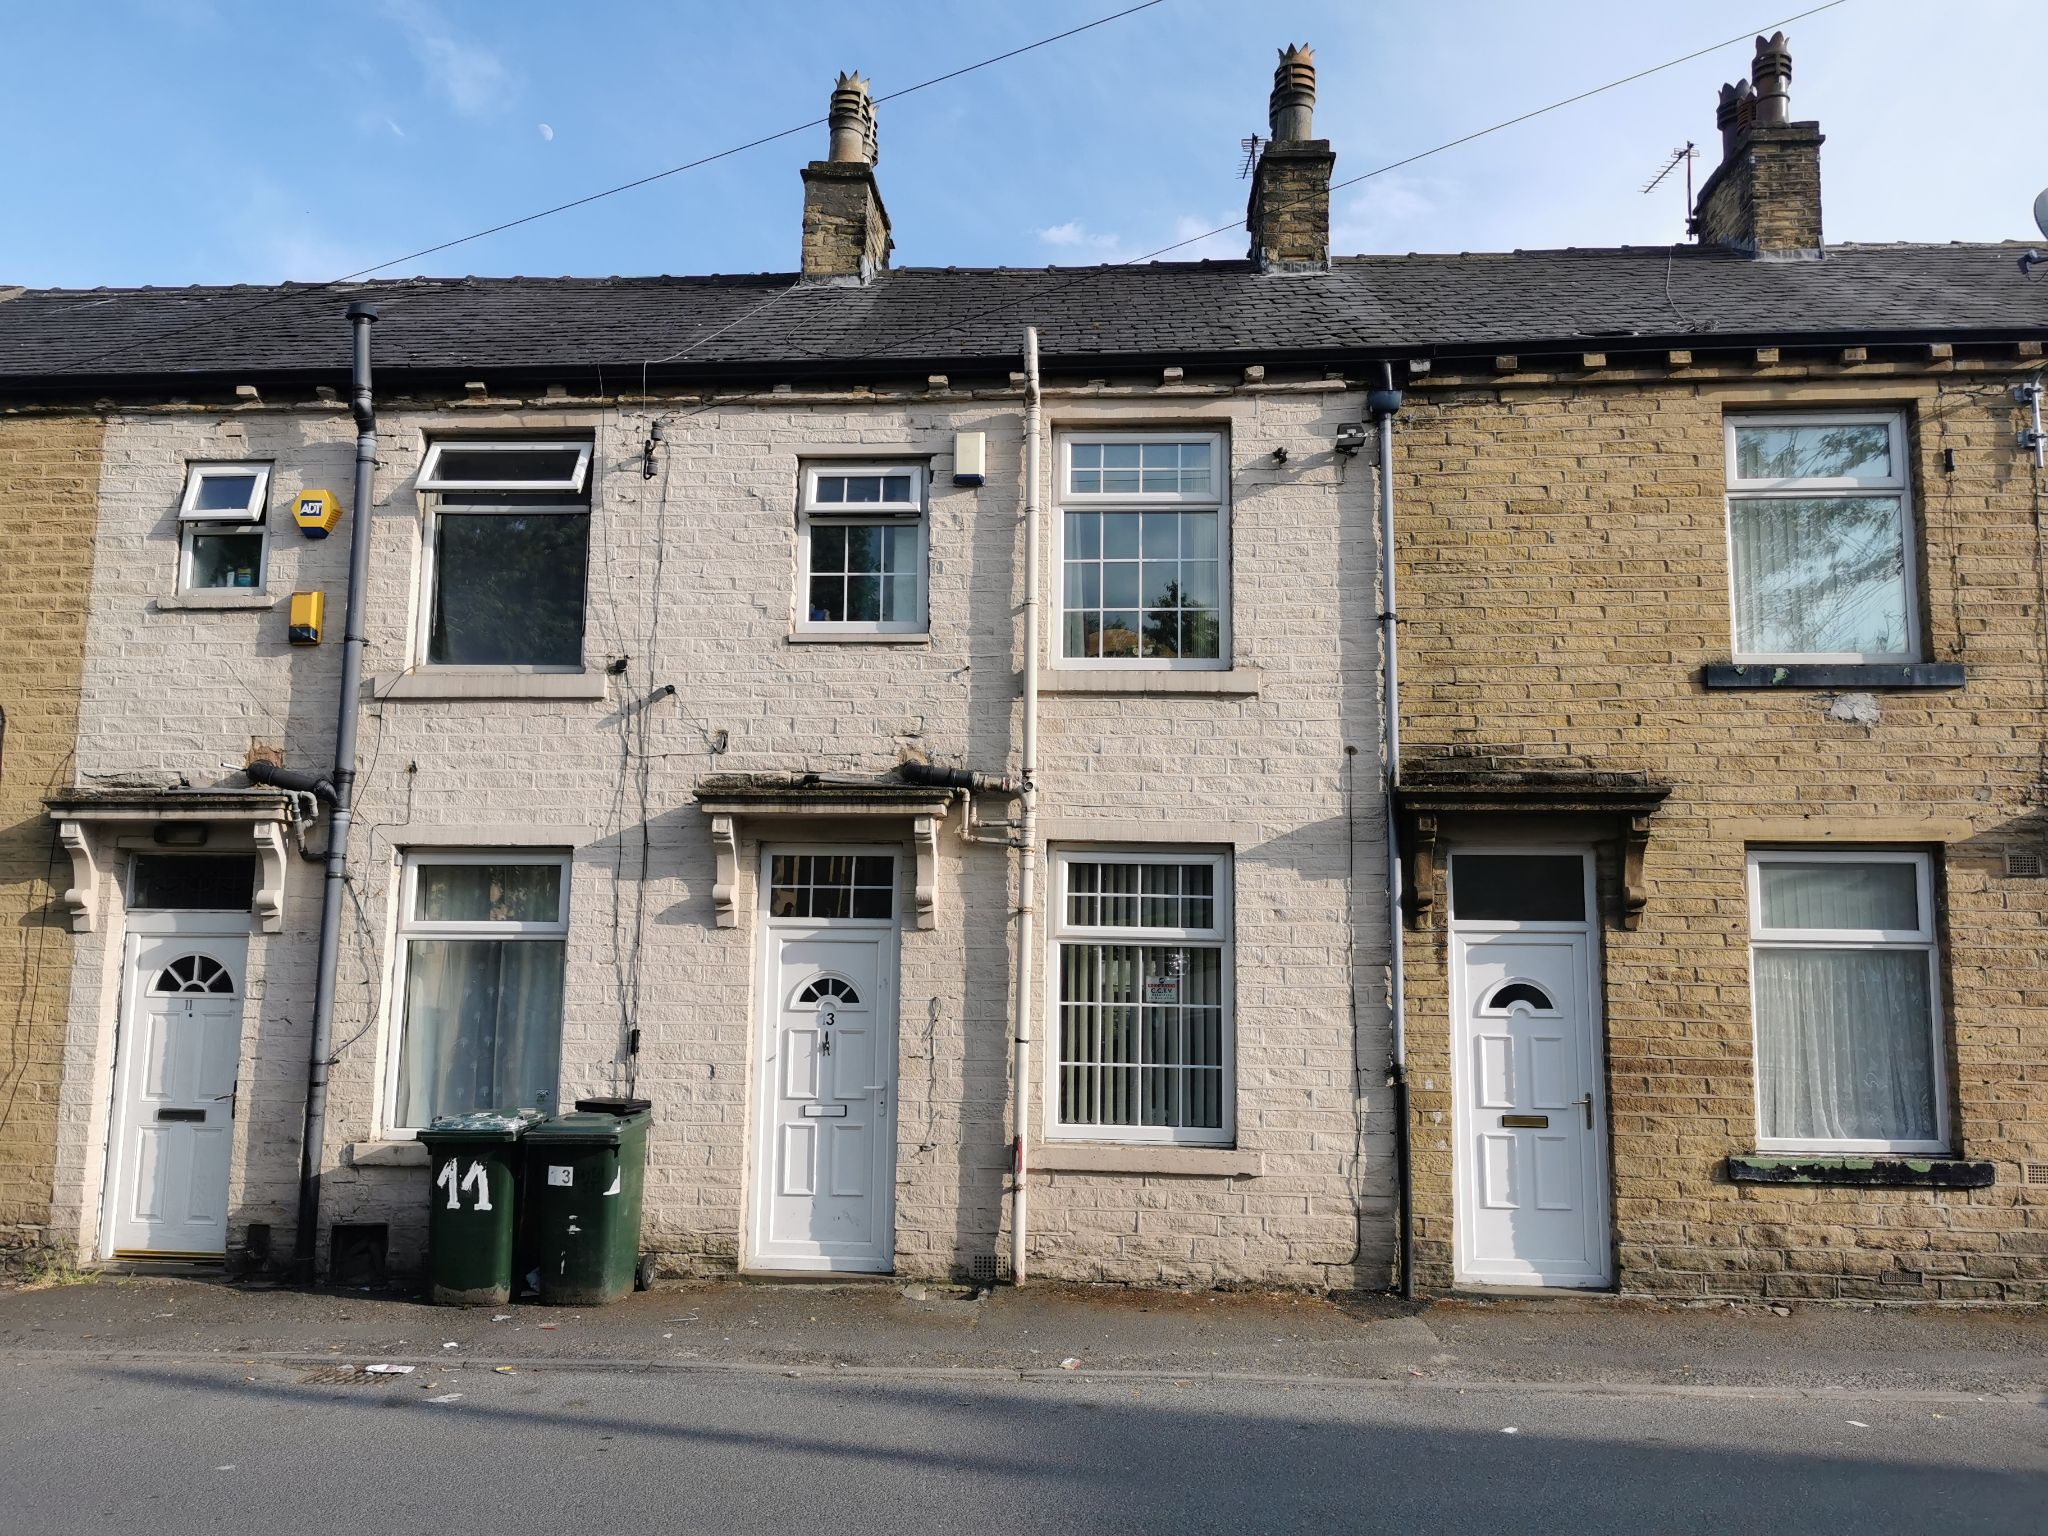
(1382, 405)
(313, 1146)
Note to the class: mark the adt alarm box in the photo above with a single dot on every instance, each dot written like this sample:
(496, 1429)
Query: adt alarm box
(316, 513)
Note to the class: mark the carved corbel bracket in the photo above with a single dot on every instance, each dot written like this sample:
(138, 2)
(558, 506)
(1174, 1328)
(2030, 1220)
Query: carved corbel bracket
(725, 843)
(1425, 874)
(269, 904)
(1634, 895)
(925, 839)
(83, 896)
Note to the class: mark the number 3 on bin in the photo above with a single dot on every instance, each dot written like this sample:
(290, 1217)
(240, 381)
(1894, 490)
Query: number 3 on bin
(475, 1180)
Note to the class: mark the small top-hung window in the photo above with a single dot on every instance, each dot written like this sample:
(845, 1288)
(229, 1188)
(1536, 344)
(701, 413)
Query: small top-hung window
(507, 466)
(863, 488)
(225, 493)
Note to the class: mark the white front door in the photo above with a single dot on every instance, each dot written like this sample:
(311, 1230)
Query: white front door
(1530, 1156)
(825, 1152)
(174, 1096)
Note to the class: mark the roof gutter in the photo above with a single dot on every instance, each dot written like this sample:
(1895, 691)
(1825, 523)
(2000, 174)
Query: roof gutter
(1364, 360)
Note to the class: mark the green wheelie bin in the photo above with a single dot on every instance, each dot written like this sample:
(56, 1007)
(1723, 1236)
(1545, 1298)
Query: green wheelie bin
(473, 1171)
(584, 1176)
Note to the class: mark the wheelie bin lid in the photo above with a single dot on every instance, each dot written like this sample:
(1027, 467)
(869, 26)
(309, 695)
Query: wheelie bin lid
(615, 1106)
(484, 1125)
(591, 1129)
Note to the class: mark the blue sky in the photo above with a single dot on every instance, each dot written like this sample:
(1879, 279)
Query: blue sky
(218, 141)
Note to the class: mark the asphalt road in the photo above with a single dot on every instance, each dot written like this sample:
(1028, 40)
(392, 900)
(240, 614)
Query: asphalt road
(165, 1446)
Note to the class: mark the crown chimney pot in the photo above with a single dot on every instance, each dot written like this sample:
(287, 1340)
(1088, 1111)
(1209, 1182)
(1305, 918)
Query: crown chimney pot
(851, 118)
(1291, 110)
(1771, 73)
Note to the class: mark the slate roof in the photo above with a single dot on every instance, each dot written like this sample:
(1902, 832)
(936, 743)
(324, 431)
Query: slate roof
(957, 318)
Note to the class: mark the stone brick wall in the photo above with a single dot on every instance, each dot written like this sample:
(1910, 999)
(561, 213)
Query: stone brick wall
(1564, 559)
(846, 228)
(1289, 212)
(1766, 196)
(49, 486)
(692, 581)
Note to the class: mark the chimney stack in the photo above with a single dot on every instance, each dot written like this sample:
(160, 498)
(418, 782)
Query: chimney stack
(1289, 215)
(1764, 197)
(846, 228)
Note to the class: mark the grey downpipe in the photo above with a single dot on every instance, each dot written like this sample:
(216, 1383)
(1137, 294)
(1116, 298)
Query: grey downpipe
(1383, 403)
(313, 1146)
(1027, 853)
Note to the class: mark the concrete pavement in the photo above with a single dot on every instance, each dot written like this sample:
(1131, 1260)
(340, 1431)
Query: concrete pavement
(887, 1327)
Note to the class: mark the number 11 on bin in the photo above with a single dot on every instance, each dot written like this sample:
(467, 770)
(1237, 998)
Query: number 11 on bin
(475, 1179)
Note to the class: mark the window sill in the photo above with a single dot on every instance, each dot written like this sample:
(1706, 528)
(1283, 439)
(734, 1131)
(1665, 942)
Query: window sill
(1874, 1170)
(1189, 1162)
(1861, 675)
(1239, 682)
(387, 1154)
(823, 637)
(455, 683)
(231, 598)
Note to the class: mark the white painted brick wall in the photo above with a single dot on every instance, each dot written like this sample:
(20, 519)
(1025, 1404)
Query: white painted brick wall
(692, 578)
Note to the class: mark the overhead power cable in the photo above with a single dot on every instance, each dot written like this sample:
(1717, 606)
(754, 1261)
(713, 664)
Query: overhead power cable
(624, 186)
(1085, 274)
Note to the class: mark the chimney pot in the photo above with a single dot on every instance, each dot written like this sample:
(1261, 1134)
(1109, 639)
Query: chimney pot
(851, 118)
(1771, 72)
(1291, 110)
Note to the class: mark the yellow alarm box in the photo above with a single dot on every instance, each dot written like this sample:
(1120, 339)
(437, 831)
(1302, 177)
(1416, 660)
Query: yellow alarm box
(316, 513)
(308, 618)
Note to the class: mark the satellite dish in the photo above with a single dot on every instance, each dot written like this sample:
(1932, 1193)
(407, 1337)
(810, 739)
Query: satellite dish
(2041, 211)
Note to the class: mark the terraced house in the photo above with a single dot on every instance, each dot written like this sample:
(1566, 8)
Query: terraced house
(935, 735)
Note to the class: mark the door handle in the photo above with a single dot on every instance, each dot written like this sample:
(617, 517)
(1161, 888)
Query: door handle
(1585, 1102)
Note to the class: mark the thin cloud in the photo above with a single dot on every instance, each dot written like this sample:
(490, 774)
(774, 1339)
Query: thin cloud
(472, 79)
(1387, 213)
(1076, 236)
(1220, 246)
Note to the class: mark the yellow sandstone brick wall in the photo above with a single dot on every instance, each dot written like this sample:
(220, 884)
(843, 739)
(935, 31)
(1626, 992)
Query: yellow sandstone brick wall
(1564, 559)
(49, 491)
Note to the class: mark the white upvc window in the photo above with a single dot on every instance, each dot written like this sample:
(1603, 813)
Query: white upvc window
(1144, 550)
(482, 941)
(507, 546)
(1820, 537)
(861, 558)
(506, 464)
(223, 528)
(1846, 984)
(1141, 968)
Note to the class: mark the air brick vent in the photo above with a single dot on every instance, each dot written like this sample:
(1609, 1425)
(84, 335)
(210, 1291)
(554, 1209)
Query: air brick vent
(2023, 865)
